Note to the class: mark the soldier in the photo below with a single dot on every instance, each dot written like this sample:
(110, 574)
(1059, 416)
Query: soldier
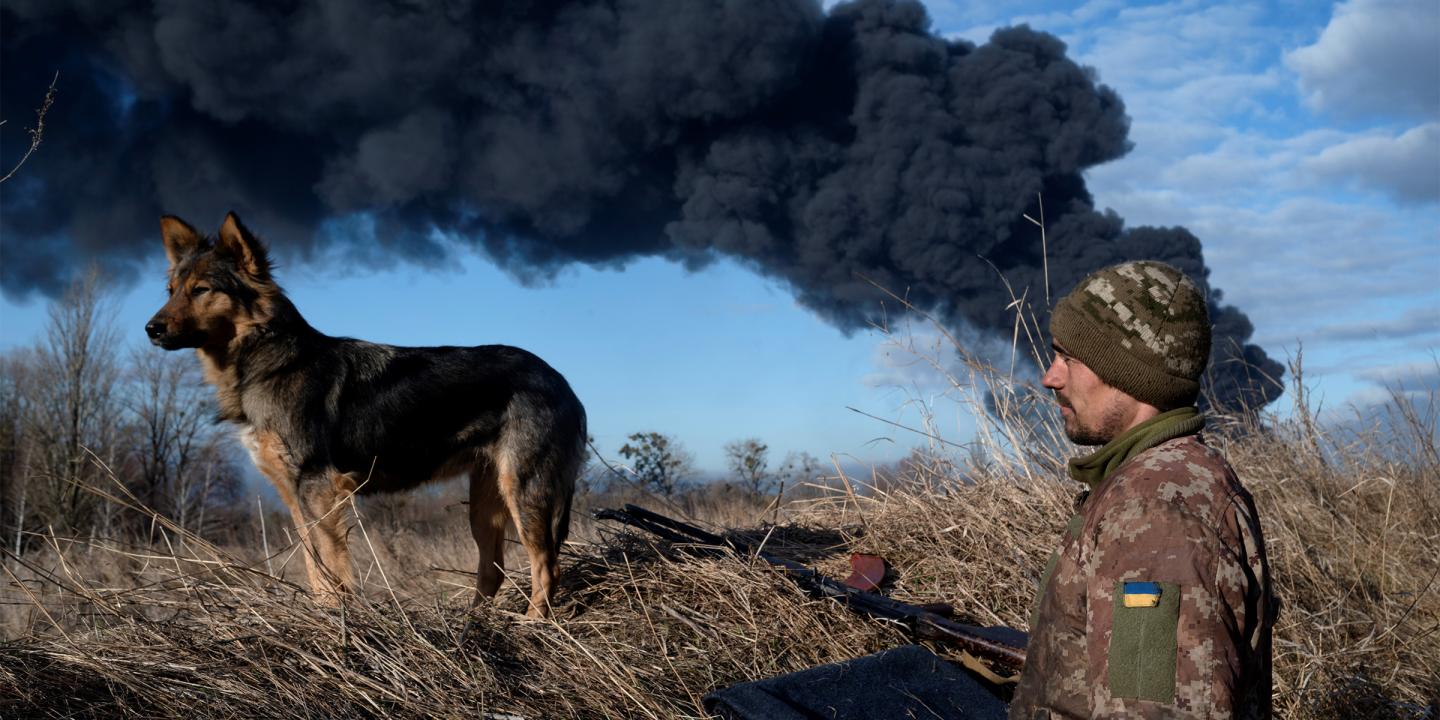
(1158, 602)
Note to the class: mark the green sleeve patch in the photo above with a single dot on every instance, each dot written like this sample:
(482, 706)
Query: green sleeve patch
(1143, 646)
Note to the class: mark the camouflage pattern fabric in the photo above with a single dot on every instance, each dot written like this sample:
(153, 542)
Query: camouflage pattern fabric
(1142, 326)
(1174, 515)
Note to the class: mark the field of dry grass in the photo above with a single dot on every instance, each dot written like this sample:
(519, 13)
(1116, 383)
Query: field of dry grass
(184, 627)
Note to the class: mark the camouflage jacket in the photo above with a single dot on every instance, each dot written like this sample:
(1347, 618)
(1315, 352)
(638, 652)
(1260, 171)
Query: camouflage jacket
(1158, 602)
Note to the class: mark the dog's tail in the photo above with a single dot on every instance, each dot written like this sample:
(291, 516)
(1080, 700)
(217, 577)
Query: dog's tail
(560, 529)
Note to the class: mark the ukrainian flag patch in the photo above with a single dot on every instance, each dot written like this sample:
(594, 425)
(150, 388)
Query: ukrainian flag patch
(1141, 594)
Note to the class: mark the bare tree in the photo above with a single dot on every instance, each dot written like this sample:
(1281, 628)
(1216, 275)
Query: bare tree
(658, 461)
(177, 456)
(74, 417)
(70, 406)
(14, 372)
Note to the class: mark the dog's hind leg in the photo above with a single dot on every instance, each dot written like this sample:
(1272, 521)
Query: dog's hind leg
(535, 471)
(533, 505)
(488, 518)
(537, 543)
(544, 561)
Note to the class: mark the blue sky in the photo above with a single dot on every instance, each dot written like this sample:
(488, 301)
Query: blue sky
(1299, 141)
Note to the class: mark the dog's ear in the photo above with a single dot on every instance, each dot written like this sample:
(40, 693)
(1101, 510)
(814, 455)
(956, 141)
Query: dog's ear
(237, 242)
(180, 239)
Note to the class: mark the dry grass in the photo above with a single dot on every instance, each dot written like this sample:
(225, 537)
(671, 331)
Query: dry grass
(1352, 526)
(201, 632)
(195, 629)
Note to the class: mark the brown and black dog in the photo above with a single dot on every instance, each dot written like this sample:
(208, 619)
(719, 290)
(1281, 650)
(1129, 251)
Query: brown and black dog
(324, 416)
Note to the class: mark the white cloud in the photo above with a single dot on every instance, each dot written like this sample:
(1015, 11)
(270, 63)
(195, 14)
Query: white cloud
(1231, 170)
(1198, 164)
(1412, 377)
(1055, 21)
(1297, 264)
(1219, 95)
(1420, 321)
(1376, 59)
(1247, 167)
(1150, 52)
(1407, 167)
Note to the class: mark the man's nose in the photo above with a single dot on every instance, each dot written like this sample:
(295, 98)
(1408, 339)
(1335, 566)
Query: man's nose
(1053, 378)
(154, 328)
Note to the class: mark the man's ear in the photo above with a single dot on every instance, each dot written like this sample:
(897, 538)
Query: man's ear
(237, 242)
(180, 239)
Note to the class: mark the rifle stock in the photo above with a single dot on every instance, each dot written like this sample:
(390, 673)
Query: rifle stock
(920, 622)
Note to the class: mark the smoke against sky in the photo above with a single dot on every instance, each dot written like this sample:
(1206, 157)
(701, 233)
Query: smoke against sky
(828, 151)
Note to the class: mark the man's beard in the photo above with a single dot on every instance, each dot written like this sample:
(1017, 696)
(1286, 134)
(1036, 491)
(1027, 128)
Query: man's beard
(1110, 425)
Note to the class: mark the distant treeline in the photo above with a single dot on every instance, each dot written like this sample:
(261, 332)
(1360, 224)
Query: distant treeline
(83, 416)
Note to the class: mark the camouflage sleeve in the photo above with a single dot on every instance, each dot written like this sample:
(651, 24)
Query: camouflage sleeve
(1162, 630)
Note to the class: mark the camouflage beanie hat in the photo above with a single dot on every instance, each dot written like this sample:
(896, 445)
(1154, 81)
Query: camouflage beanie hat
(1142, 327)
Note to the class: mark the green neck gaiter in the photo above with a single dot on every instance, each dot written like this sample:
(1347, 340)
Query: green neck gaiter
(1092, 469)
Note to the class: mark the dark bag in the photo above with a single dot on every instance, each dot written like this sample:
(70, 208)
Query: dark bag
(905, 682)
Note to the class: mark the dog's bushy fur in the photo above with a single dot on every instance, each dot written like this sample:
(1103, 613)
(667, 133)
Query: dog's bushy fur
(323, 416)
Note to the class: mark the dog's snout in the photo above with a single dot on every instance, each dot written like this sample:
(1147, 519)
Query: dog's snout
(154, 329)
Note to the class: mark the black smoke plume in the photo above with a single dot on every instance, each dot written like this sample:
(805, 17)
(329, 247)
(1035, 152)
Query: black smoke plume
(829, 151)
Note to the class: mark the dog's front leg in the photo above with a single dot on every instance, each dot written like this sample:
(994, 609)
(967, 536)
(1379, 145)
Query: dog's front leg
(322, 499)
(275, 460)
